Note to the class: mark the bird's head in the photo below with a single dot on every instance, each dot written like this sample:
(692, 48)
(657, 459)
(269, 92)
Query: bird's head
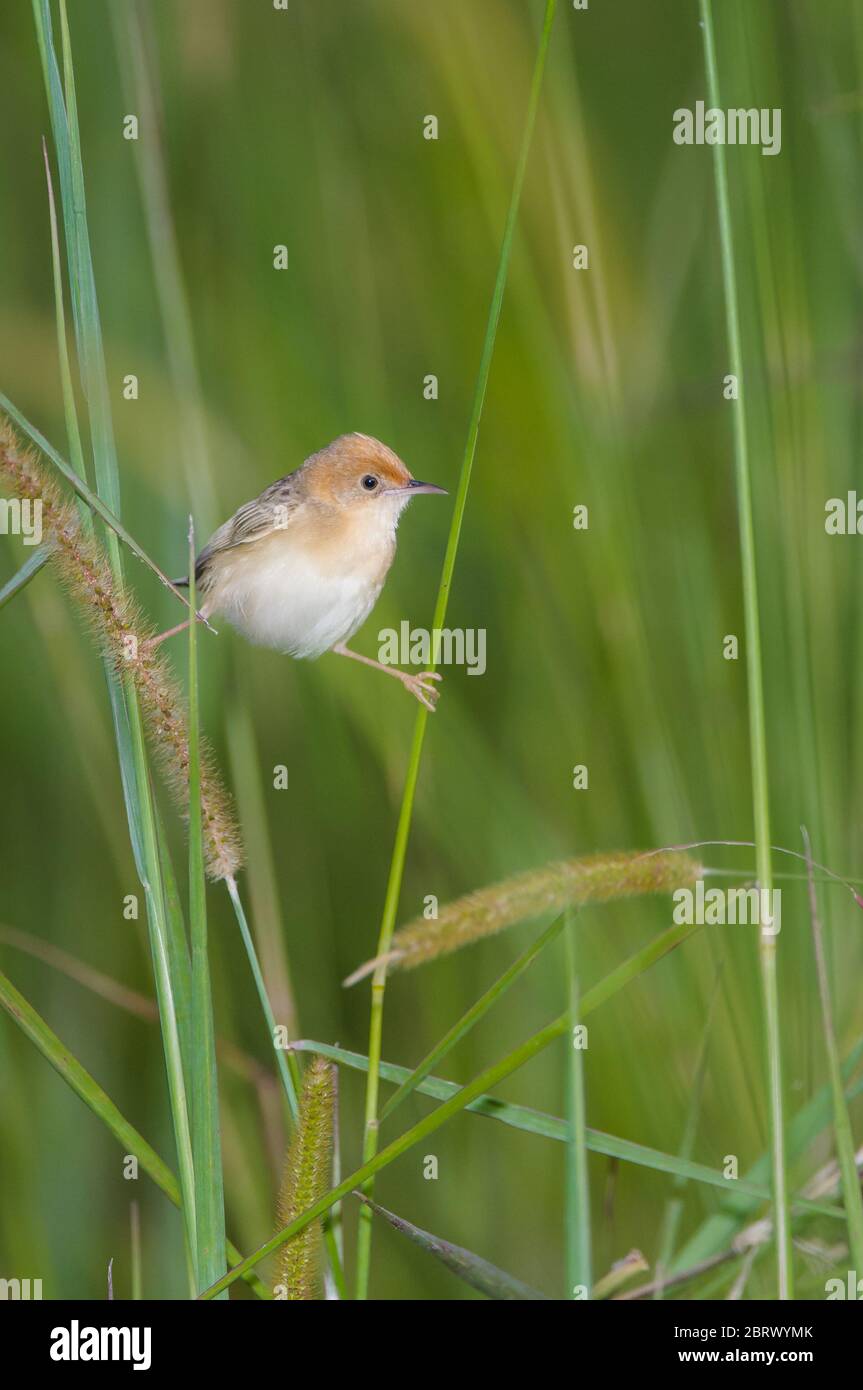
(356, 471)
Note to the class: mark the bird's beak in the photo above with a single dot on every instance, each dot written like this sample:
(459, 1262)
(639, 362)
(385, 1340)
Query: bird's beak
(416, 486)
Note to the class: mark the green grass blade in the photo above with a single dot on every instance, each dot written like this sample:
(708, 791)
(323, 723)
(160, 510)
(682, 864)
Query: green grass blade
(88, 326)
(83, 491)
(473, 1269)
(76, 472)
(134, 37)
(83, 1084)
(178, 958)
(73, 431)
(177, 945)
(286, 1062)
(674, 1207)
(579, 1257)
(717, 1232)
(128, 723)
(136, 1259)
(845, 1149)
(287, 1065)
(755, 686)
(34, 1027)
(60, 131)
(463, 1098)
(203, 1083)
(36, 560)
(627, 1268)
(397, 863)
(477, 1011)
(260, 880)
(157, 921)
(489, 1078)
(619, 977)
(547, 1126)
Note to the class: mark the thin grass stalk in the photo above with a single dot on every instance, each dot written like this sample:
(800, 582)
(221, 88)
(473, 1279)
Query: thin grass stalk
(749, 1242)
(86, 494)
(137, 1005)
(397, 862)
(288, 1066)
(579, 1256)
(620, 1274)
(261, 882)
(73, 432)
(717, 1230)
(203, 1085)
(157, 921)
(85, 1086)
(488, 1079)
(36, 561)
(135, 1256)
(126, 709)
(333, 1224)
(464, 1096)
(455, 1096)
(134, 40)
(87, 319)
(473, 1015)
(755, 688)
(545, 1126)
(845, 1150)
(286, 1062)
(132, 35)
(123, 635)
(674, 1207)
(179, 960)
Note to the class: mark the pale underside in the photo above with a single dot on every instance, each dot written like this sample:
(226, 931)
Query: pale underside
(307, 584)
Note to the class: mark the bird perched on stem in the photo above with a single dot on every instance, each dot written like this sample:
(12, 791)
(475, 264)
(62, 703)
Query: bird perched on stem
(301, 567)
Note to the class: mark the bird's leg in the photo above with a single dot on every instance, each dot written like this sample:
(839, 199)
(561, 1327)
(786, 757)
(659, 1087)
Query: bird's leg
(153, 642)
(202, 616)
(417, 685)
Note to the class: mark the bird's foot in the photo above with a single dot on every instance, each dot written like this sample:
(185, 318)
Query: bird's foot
(420, 686)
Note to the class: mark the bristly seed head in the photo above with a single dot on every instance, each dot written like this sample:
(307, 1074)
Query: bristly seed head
(570, 883)
(122, 632)
(305, 1180)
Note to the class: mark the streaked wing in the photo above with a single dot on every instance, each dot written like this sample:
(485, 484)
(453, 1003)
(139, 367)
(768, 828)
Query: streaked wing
(269, 512)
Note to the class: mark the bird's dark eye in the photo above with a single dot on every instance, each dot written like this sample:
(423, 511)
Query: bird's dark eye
(370, 482)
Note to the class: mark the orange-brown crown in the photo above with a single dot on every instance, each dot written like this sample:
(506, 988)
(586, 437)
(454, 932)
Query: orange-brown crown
(335, 473)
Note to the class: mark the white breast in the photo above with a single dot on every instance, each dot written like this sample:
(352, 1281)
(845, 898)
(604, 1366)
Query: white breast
(285, 602)
(303, 599)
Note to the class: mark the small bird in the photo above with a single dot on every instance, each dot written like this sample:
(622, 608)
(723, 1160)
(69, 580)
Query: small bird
(301, 567)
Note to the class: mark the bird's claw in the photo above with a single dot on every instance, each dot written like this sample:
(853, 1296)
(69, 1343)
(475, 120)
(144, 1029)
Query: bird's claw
(419, 686)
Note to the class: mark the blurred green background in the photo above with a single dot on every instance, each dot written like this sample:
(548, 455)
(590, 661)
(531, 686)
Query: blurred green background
(605, 646)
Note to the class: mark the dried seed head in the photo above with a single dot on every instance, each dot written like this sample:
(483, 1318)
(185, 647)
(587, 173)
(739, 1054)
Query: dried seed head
(572, 882)
(305, 1180)
(122, 633)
